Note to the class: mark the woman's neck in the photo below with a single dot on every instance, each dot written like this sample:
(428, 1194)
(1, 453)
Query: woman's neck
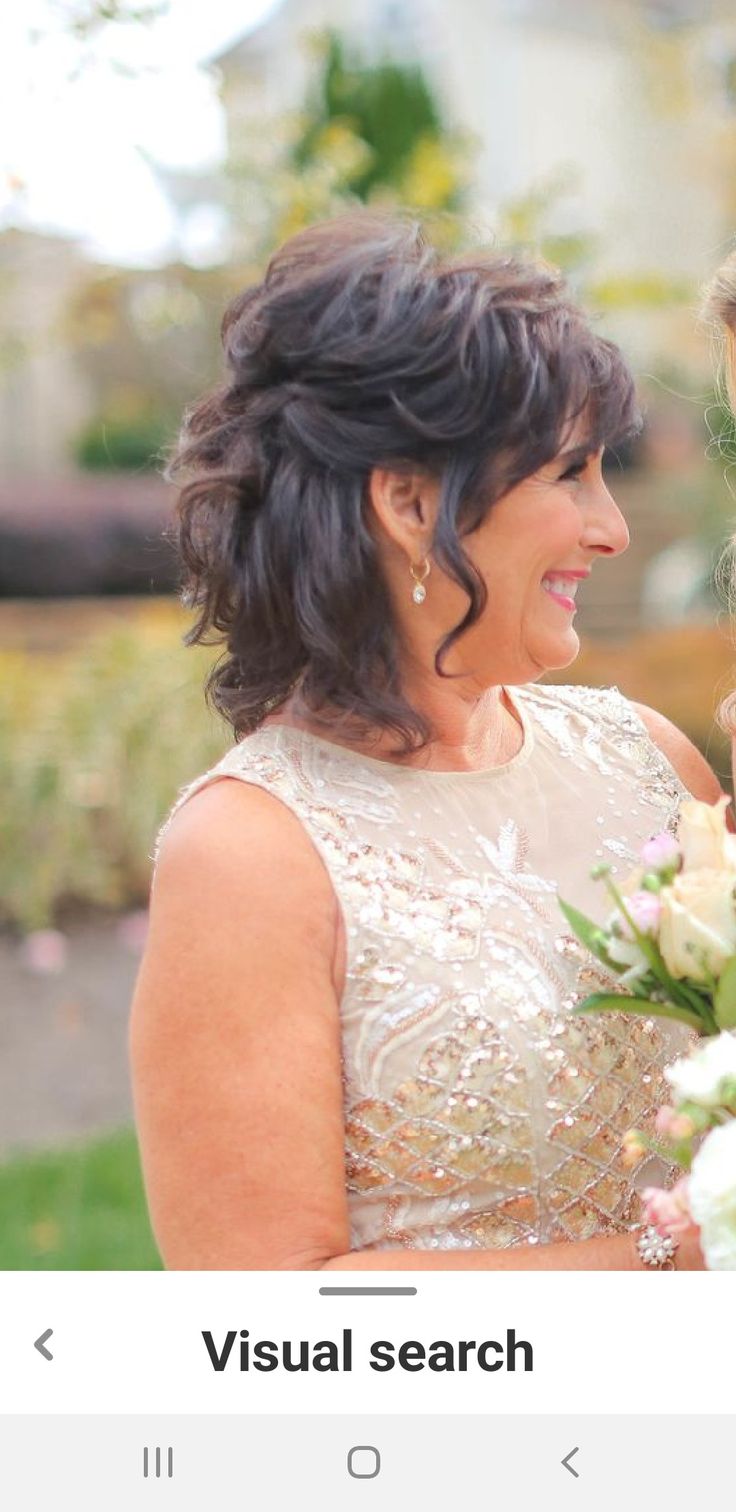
(470, 734)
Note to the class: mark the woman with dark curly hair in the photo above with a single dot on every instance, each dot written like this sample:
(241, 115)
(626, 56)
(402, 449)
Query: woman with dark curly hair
(353, 1040)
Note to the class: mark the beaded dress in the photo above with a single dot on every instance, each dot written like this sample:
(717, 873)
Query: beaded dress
(479, 1112)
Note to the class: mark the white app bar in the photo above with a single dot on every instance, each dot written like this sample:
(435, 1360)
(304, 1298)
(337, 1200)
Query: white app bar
(219, 1343)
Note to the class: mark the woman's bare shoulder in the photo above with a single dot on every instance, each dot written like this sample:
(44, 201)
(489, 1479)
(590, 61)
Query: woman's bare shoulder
(238, 851)
(231, 820)
(688, 762)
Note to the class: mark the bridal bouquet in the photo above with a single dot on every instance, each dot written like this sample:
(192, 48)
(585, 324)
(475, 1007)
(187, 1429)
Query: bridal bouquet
(670, 939)
(704, 1104)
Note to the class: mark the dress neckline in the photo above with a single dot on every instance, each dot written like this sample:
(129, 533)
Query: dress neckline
(501, 770)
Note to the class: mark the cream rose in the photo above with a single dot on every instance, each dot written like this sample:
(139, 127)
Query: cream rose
(698, 922)
(712, 1197)
(703, 837)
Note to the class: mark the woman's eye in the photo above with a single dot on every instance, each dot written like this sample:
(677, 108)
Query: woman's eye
(576, 471)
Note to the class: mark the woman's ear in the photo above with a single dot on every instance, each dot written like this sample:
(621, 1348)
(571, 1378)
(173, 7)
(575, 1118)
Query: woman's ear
(405, 506)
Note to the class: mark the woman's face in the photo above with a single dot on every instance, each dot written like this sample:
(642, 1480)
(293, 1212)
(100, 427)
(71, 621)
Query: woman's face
(535, 547)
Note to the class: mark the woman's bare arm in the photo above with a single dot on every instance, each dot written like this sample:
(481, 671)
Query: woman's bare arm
(235, 1041)
(235, 1045)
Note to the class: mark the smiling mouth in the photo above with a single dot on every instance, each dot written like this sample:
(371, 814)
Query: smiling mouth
(561, 589)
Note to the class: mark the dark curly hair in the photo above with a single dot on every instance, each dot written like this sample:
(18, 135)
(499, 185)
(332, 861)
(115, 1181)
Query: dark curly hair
(364, 347)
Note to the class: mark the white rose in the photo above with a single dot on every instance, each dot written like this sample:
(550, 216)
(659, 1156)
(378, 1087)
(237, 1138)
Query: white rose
(627, 953)
(697, 1078)
(712, 1193)
(698, 923)
(703, 837)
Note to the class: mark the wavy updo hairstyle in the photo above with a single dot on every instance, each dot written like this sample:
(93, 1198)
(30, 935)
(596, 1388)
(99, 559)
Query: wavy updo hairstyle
(365, 347)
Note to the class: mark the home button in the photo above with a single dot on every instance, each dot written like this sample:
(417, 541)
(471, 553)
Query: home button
(364, 1462)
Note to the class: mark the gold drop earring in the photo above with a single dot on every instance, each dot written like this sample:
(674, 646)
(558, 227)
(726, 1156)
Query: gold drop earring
(419, 592)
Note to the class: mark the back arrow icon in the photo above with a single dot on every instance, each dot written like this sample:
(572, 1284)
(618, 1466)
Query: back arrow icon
(40, 1344)
(568, 1466)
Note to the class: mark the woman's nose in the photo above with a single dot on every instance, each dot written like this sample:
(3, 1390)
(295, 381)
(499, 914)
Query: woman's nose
(605, 528)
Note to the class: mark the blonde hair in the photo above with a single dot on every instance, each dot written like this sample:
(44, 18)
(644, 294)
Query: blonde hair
(719, 307)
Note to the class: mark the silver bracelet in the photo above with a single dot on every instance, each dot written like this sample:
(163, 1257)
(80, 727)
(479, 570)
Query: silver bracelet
(656, 1251)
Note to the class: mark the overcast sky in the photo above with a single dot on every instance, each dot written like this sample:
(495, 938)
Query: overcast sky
(71, 124)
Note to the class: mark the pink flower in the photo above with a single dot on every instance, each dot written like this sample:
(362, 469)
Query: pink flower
(45, 951)
(644, 908)
(661, 852)
(673, 1125)
(668, 1211)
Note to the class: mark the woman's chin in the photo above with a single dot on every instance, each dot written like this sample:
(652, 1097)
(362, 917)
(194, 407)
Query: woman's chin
(555, 655)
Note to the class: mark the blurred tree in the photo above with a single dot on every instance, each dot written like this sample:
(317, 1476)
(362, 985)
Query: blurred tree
(86, 18)
(390, 109)
(369, 132)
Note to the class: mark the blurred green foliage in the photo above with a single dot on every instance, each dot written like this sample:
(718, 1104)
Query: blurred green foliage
(644, 290)
(93, 747)
(368, 132)
(84, 18)
(117, 444)
(387, 106)
(81, 1208)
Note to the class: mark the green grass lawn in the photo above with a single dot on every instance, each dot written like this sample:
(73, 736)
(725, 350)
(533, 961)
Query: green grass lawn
(79, 1208)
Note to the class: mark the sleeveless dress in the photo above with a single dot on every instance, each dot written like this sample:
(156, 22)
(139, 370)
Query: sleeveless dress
(479, 1112)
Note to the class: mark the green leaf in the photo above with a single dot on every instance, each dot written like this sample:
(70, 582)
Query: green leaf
(673, 1152)
(589, 935)
(724, 1002)
(618, 1002)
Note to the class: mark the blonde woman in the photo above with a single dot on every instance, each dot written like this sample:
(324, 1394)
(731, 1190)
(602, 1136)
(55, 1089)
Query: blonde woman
(720, 307)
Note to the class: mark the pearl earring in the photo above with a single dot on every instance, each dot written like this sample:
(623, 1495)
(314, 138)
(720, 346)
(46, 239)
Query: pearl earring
(419, 592)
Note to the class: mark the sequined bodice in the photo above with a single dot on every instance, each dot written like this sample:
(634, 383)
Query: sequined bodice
(478, 1111)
